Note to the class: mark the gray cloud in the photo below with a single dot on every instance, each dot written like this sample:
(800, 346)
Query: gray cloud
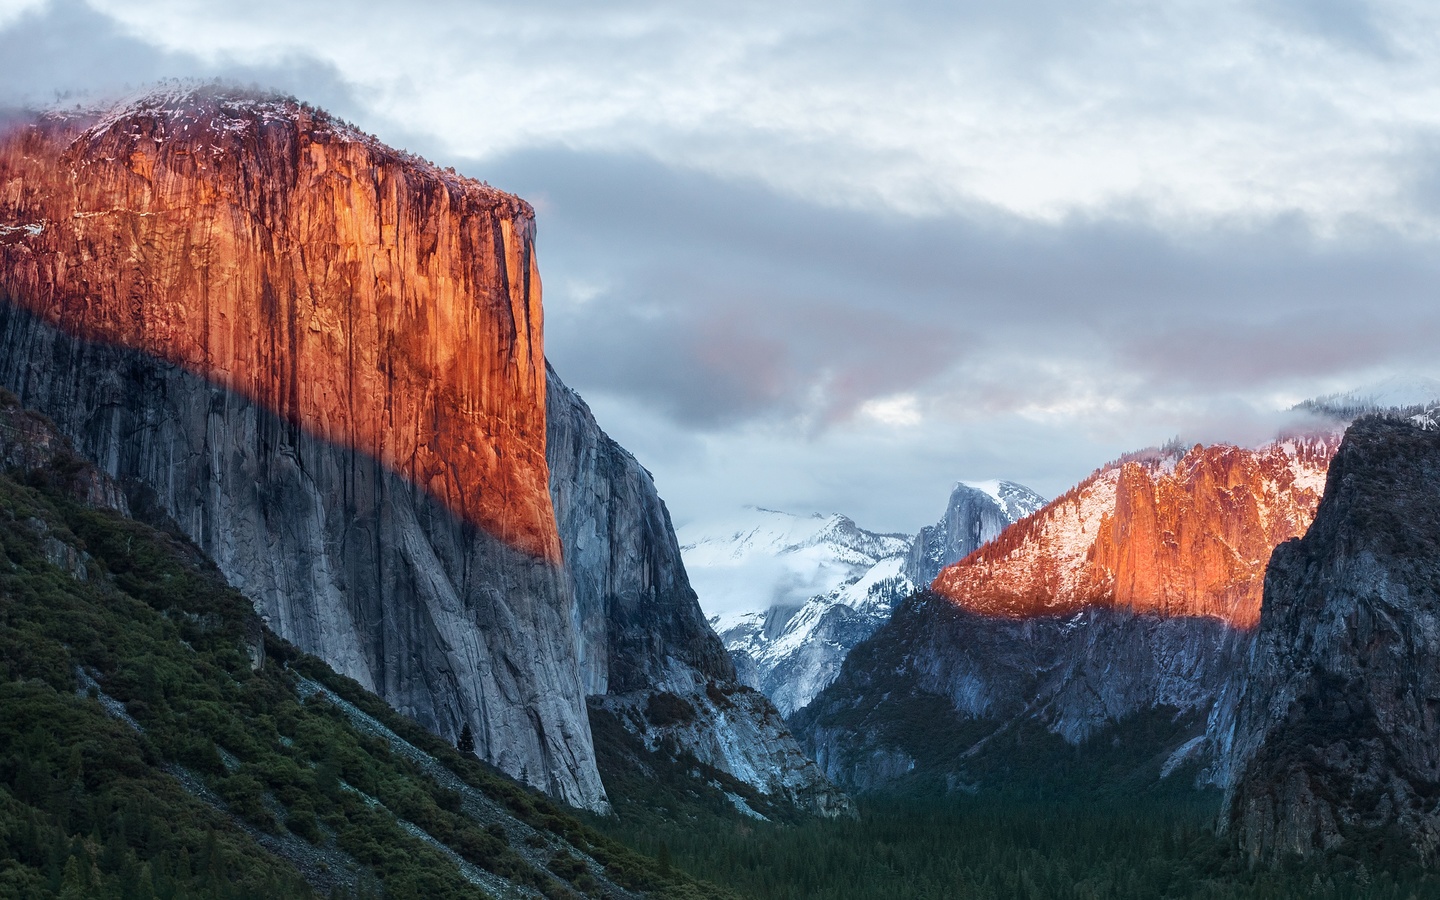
(66, 49)
(720, 300)
(834, 256)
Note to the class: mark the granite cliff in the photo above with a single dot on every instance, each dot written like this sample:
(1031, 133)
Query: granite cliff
(1333, 730)
(647, 657)
(974, 516)
(321, 360)
(1132, 594)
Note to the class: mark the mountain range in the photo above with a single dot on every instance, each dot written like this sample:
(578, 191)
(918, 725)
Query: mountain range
(304, 373)
(800, 592)
(1133, 592)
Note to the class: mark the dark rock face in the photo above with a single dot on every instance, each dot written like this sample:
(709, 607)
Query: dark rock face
(1072, 676)
(342, 556)
(1336, 723)
(640, 625)
(644, 642)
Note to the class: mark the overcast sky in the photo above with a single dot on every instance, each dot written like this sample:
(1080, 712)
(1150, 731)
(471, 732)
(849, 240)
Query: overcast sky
(838, 256)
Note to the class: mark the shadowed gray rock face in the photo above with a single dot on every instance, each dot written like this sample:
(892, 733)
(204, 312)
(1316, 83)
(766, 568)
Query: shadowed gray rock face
(973, 517)
(1335, 723)
(1074, 676)
(639, 624)
(342, 557)
(640, 630)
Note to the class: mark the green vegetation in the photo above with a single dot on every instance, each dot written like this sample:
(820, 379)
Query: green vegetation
(1029, 818)
(147, 752)
(229, 785)
(999, 847)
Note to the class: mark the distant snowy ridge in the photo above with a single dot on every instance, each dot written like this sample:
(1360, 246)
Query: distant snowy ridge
(791, 595)
(1396, 393)
(763, 558)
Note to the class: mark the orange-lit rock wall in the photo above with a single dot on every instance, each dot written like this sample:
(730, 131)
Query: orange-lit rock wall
(1175, 537)
(369, 297)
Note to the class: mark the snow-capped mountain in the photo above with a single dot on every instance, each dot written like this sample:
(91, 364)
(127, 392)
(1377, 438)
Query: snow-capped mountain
(791, 595)
(976, 514)
(764, 559)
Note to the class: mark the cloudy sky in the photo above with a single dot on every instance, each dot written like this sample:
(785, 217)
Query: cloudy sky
(836, 257)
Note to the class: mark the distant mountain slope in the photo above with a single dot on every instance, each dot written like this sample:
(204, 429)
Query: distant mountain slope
(1128, 596)
(850, 580)
(795, 592)
(763, 558)
(1398, 392)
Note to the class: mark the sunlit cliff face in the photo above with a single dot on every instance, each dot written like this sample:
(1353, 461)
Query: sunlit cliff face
(362, 294)
(1157, 533)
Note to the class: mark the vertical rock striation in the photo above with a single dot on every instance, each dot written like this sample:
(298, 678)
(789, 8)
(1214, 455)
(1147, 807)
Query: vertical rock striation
(974, 516)
(322, 360)
(643, 640)
(1174, 534)
(358, 293)
(1335, 727)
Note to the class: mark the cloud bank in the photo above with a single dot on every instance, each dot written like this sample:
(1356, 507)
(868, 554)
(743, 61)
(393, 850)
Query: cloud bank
(836, 256)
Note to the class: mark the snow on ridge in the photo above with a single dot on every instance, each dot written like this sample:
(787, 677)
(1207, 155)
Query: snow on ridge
(990, 487)
(759, 558)
(1397, 392)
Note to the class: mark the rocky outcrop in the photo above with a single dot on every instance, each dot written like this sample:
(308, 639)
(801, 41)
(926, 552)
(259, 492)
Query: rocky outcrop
(974, 516)
(321, 359)
(1074, 676)
(647, 655)
(1335, 729)
(1176, 534)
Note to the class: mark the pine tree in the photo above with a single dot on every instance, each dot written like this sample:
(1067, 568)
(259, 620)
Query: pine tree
(466, 744)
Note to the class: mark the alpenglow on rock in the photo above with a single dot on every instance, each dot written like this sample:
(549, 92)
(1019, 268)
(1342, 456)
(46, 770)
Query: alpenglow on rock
(1335, 729)
(322, 360)
(1182, 533)
(809, 589)
(1131, 594)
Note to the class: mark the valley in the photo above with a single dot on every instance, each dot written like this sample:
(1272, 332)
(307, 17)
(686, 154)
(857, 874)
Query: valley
(319, 580)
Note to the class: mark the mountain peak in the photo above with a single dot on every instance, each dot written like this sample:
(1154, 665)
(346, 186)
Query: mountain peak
(1166, 531)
